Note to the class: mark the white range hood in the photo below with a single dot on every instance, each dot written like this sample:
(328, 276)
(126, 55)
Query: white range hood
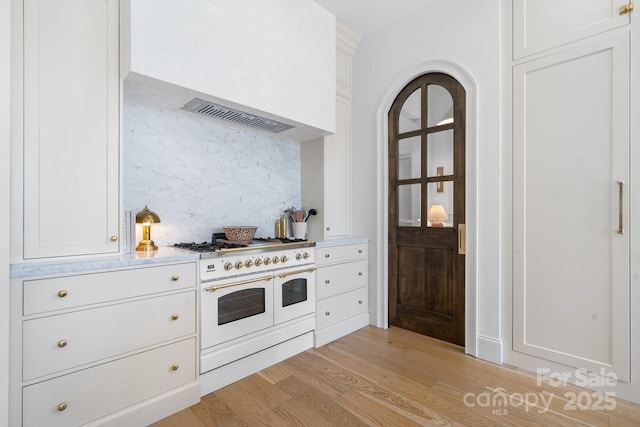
(271, 59)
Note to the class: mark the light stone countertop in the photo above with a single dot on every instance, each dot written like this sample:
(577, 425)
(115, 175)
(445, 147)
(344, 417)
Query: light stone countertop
(163, 254)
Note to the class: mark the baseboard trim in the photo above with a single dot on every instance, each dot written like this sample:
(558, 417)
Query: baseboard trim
(489, 349)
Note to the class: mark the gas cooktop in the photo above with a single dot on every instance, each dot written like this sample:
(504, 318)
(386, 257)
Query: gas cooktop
(220, 245)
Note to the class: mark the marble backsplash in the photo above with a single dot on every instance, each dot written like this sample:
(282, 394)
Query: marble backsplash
(199, 175)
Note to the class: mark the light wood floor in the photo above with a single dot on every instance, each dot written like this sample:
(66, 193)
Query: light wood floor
(393, 377)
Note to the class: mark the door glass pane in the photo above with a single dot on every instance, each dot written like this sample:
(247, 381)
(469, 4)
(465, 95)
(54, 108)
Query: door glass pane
(410, 113)
(409, 202)
(409, 158)
(440, 204)
(240, 304)
(294, 291)
(439, 106)
(440, 153)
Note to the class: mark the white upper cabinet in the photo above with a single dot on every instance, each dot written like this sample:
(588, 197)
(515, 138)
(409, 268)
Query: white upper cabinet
(272, 58)
(540, 25)
(71, 128)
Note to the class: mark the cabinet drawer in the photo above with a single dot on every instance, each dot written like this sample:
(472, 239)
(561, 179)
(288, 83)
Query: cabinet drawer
(335, 279)
(44, 295)
(52, 344)
(340, 307)
(336, 254)
(93, 393)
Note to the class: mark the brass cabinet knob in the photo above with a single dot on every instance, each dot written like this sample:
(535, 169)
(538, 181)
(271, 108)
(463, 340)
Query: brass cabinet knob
(359, 273)
(327, 313)
(174, 317)
(328, 228)
(174, 367)
(359, 251)
(327, 281)
(62, 343)
(62, 293)
(175, 277)
(327, 255)
(359, 301)
(62, 406)
(114, 238)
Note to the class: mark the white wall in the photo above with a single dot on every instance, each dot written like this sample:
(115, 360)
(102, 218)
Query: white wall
(198, 174)
(466, 33)
(5, 168)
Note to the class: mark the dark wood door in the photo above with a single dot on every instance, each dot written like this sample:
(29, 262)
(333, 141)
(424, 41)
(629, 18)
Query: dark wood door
(427, 208)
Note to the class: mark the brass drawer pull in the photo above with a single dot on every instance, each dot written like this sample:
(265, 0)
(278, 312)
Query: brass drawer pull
(327, 255)
(174, 317)
(327, 281)
(359, 301)
(62, 293)
(114, 238)
(359, 251)
(62, 406)
(175, 278)
(62, 343)
(174, 367)
(327, 313)
(359, 273)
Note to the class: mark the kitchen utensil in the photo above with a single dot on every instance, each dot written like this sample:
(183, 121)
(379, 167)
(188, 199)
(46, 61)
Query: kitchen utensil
(311, 212)
(299, 216)
(240, 233)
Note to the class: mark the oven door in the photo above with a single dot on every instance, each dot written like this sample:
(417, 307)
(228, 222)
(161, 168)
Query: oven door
(294, 293)
(232, 308)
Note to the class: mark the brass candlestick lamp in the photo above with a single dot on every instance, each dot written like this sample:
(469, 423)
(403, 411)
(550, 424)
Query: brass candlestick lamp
(146, 218)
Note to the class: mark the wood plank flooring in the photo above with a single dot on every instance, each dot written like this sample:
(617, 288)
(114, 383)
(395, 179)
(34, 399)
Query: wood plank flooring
(394, 377)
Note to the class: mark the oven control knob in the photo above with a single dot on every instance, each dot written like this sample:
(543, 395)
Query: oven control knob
(267, 261)
(239, 265)
(284, 258)
(228, 266)
(298, 256)
(276, 260)
(306, 255)
(258, 262)
(248, 263)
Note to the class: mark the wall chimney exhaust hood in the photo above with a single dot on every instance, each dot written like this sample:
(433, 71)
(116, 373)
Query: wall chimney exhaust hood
(270, 66)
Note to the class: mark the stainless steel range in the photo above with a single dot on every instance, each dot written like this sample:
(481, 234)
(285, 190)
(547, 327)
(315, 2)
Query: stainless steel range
(257, 305)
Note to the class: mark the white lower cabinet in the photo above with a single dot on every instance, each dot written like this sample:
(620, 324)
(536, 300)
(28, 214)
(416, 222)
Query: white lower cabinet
(89, 394)
(342, 290)
(115, 347)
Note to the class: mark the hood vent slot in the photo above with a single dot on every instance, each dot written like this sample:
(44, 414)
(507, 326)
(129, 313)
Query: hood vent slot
(209, 109)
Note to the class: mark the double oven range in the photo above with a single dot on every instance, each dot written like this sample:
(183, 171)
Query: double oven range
(257, 305)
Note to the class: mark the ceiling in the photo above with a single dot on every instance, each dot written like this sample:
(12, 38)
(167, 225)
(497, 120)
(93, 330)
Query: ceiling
(366, 17)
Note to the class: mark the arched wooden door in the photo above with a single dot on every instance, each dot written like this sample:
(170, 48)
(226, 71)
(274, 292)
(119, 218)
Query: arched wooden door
(427, 208)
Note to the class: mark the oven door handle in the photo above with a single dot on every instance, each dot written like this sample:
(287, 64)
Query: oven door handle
(243, 282)
(291, 273)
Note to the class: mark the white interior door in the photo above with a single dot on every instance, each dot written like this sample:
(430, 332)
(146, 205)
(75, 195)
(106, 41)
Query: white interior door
(571, 264)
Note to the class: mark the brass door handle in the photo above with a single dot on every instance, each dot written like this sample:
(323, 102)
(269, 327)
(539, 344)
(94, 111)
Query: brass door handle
(620, 206)
(462, 239)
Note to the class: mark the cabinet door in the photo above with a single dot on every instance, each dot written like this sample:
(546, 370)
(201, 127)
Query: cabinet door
(539, 25)
(570, 249)
(71, 127)
(337, 182)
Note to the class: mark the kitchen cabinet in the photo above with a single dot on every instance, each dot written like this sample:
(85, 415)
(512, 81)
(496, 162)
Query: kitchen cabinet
(131, 332)
(326, 163)
(540, 25)
(341, 289)
(571, 180)
(69, 184)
